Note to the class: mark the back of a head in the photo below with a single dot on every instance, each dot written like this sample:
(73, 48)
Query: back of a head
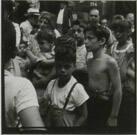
(8, 41)
(122, 26)
(117, 18)
(45, 34)
(65, 49)
(99, 31)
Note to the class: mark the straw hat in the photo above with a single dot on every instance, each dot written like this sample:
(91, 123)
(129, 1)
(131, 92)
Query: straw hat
(32, 11)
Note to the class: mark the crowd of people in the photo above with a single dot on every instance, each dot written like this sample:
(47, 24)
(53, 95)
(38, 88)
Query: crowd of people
(69, 73)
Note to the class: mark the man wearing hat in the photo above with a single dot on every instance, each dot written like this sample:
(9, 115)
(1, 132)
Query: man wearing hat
(28, 25)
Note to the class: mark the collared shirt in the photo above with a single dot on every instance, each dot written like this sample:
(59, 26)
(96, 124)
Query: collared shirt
(60, 16)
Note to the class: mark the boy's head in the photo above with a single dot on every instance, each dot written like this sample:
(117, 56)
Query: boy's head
(45, 38)
(22, 49)
(104, 22)
(78, 33)
(65, 56)
(96, 37)
(8, 42)
(122, 30)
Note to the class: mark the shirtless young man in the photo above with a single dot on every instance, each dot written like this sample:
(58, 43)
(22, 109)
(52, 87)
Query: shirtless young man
(104, 81)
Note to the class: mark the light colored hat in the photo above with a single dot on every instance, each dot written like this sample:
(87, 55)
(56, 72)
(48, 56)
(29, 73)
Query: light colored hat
(32, 11)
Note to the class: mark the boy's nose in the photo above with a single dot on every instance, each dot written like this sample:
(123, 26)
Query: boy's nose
(62, 70)
(76, 33)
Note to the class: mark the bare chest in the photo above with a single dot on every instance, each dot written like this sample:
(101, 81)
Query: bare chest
(97, 68)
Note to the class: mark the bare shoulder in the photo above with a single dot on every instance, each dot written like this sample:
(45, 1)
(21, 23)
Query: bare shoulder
(111, 62)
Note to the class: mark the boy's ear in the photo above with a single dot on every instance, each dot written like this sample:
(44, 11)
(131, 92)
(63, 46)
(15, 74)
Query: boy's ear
(102, 41)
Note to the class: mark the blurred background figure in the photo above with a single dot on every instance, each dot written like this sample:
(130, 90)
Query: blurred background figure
(130, 18)
(34, 3)
(104, 22)
(64, 18)
(94, 16)
(123, 52)
(30, 23)
(117, 18)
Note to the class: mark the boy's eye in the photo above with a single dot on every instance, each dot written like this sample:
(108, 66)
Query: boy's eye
(66, 66)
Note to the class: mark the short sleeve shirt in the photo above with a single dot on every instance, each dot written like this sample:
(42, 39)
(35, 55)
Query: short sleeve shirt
(58, 95)
(19, 95)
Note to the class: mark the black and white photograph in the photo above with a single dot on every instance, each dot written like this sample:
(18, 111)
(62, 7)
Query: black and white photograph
(68, 67)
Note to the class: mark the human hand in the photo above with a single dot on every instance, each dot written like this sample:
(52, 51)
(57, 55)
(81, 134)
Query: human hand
(112, 121)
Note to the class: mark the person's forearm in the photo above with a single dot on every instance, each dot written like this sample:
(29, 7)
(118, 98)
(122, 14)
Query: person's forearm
(117, 97)
(31, 56)
(49, 62)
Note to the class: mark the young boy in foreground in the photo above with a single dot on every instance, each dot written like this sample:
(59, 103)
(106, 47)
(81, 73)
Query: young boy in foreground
(64, 94)
(104, 81)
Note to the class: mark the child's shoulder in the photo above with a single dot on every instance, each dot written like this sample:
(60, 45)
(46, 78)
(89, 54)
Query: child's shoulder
(109, 58)
(111, 62)
(51, 82)
(78, 85)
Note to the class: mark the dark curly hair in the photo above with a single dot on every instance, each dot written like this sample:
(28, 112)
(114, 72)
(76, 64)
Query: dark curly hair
(65, 49)
(99, 31)
(122, 26)
(45, 34)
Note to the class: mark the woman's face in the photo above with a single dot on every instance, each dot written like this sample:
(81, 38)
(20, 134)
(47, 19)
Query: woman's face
(64, 69)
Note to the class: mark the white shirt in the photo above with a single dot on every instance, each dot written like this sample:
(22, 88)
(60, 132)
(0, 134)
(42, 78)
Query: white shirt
(58, 95)
(18, 33)
(60, 16)
(89, 55)
(27, 28)
(81, 54)
(19, 95)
